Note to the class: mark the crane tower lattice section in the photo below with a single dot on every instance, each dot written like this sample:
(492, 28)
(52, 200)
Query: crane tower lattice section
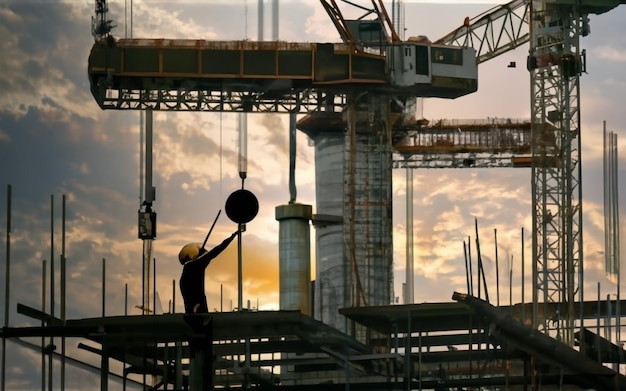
(555, 65)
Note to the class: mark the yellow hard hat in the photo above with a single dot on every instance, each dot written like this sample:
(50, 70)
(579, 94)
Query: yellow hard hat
(189, 252)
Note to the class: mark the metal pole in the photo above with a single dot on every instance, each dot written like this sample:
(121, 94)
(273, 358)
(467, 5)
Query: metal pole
(103, 286)
(6, 284)
(154, 285)
(511, 287)
(605, 178)
(173, 311)
(104, 361)
(469, 258)
(275, 20)
(124, 355)
(239, 272)
(63, 291)
(495, 237)
(260, 14)
(523, 277)
(467, 272)
(148, 199)
(43, 339)
(149, 190)
(410, 290)
(292, 158)
(51, 288)
(617, 237)
(598, 345)
(407, 354)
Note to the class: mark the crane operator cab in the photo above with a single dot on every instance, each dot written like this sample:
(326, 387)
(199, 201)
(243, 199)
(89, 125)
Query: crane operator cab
(418, 67)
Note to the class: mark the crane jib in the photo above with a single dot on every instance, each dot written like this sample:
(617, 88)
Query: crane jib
(271, 69)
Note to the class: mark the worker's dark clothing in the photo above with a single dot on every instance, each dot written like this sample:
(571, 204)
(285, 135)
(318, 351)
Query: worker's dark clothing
(192, 278)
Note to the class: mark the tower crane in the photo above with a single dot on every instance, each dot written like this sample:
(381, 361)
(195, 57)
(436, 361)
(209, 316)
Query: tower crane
(294, 77)
(243, 76)
(555, 63)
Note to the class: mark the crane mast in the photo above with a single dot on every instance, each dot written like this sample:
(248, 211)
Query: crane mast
(555, 64)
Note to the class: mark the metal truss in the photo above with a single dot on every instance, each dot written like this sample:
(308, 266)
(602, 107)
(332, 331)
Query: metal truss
(556, 187)
(456, 160)
(218, 101)
(494, 32)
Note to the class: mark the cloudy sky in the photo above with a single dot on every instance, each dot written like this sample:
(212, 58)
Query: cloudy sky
(55, 141)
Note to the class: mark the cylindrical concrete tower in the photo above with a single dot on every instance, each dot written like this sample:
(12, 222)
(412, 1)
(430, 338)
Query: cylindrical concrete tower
(294, 257)
(353, 219)
(331, 282)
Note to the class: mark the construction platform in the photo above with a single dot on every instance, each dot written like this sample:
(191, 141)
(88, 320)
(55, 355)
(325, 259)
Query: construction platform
(464, 343)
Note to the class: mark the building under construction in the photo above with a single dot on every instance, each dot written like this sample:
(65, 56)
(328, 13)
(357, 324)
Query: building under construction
(341, 331)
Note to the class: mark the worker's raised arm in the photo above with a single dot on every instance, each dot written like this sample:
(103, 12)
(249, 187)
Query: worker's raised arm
(205, 257)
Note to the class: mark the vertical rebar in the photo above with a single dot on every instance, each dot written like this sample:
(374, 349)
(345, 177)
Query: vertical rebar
(467, 269)
(7, 280)
(469, 258)
(511, 287)
(63, 291)
(104, 360)
(103, 287)
(495, 238)
(154, 293)
(523, 277)
(43, 339)
(51, 289)
(124, 354)
(173, 310)
(599, 314)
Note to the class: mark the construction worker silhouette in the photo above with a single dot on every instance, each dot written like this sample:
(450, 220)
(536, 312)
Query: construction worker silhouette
(195, 260)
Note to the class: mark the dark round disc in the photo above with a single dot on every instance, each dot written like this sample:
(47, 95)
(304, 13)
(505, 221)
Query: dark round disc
(241, 206)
